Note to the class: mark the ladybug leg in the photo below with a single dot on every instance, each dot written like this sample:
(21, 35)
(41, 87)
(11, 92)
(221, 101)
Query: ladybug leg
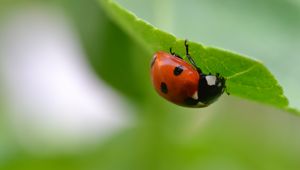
(189, 57)
(174, 54)
(225, 88)
(226, 91)
(171, 52)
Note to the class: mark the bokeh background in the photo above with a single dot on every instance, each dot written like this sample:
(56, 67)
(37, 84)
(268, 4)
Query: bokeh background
(75, 91)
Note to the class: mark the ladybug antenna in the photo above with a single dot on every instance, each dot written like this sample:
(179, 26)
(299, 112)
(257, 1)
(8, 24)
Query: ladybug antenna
(174, 54)
(189, 57)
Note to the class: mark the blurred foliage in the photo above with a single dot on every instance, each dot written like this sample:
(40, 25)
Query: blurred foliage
(231, 134)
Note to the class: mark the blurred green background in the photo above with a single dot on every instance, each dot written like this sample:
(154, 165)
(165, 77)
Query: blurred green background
(75, 91)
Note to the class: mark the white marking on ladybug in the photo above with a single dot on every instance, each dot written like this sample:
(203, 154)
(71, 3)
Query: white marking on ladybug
(201, 104)
(195, 95)
(211, 80)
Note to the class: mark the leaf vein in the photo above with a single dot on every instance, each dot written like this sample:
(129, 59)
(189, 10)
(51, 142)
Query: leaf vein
(241, 72)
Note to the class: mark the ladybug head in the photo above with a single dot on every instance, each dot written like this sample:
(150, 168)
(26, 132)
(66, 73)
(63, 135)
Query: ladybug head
(210, 88)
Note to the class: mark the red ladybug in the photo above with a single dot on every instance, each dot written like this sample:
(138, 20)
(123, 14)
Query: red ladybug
(184, 83)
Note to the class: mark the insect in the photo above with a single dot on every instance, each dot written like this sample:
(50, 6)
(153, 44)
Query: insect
(184, 83)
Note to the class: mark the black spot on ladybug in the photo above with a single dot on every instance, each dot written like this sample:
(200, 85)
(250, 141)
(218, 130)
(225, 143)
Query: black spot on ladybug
(178, 70)
(163, 87)
(153, 61)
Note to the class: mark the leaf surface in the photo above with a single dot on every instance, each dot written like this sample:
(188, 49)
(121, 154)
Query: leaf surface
(246, 77)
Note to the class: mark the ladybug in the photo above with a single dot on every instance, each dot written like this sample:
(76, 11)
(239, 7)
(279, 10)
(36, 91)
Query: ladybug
(184, 83)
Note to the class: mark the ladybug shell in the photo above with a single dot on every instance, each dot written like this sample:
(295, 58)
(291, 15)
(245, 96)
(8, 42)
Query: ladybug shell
(174, 79)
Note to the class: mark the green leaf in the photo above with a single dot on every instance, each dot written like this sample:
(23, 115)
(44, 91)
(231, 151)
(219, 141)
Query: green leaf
(246, 78)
